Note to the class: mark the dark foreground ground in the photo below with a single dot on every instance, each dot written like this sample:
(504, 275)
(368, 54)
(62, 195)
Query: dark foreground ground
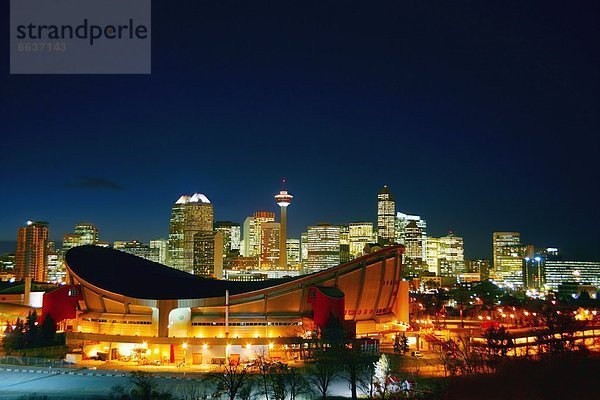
(564, 377)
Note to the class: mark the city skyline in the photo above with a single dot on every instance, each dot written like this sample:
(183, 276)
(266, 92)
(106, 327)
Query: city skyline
(488, 126)
(58, 238)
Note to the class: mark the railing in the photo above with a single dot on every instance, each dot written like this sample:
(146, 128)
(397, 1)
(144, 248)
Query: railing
(33, 361)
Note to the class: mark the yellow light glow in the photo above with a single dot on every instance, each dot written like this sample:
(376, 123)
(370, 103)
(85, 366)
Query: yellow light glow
(271, 345)
(185, 345)
(248, 346)
(204, 346)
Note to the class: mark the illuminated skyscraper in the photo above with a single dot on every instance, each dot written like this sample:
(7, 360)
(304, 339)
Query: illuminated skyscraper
(85, 234)
(248, 248)
(304, 250)
(386, 216)
(402, 221)
(231, 235)
(344, 244)
(415, 253)
(190, 215)
(159, 251)
(269, 245)
(323, 247)
(283, 201)
(88, 233)
(445, 255)
(208, 254)
(499, 240)
(134, 247)
(360, 234)
(31, 258)
(257, 220)
(293, 252)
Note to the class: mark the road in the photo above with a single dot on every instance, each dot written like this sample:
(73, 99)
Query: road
(81, 384)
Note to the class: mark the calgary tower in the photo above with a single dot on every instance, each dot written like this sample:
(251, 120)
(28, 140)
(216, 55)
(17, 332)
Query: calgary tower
(283, 200)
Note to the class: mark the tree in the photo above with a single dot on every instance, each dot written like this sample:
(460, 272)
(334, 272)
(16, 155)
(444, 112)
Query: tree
(229, 380)
(144, 388)
(323, 370)
(48, 331)
(384, 369)
(355, 364)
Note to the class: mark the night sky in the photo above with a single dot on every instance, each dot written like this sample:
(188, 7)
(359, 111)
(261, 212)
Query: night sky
(480, 116)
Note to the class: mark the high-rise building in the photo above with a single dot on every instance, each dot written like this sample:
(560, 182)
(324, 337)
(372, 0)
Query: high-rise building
(85, 234)
(249, 238)
(386, 216)
(534, 272)
(88, 233)
(360, 234)
(304, 250)
(478, 266)
(283, 200)
(189, 215)
(208, 254)
(402, 220)
(269, 245)
(134, 247)
(231, 235)
(323, 247)
(563, 271)
(258, 219)
(293, 252)
(445, 255)
(57, 271)
(159, 251)
(344, 244)
(499, 240)
(31, 258)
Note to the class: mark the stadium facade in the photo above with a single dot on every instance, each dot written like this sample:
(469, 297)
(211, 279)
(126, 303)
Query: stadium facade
(118, 304)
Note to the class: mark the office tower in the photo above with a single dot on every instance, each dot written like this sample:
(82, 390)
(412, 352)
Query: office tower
(323, 247)
(133, 247)
(386, 216)
(452, 259)
(269, 245)
(402, 220)
(534, 272)
(499, 240)
(249, 237)
(85, 234)
(70, 240)
(293, 252)
(445, 255)
(304, 250)
(360, 234)
(283, 200)
(479, 266)
(432, 255)
(344, 243)
(204, 253)
(189, 215)
(31, 258)
(242, 248)
(159, 251)
(57, 272)
(231, 235)
(88, 233)
(566, 271)
(257, 220)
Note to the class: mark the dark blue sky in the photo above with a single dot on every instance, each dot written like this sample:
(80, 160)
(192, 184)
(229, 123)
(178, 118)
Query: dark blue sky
(480, 117)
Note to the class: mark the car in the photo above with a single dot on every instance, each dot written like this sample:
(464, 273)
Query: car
(416, 354)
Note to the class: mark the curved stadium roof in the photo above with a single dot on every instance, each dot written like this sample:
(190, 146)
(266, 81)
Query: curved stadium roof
(132, 276)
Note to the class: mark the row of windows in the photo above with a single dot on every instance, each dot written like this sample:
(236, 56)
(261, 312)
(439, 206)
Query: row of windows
(247, 323)
(114, 321)
(365, 311)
